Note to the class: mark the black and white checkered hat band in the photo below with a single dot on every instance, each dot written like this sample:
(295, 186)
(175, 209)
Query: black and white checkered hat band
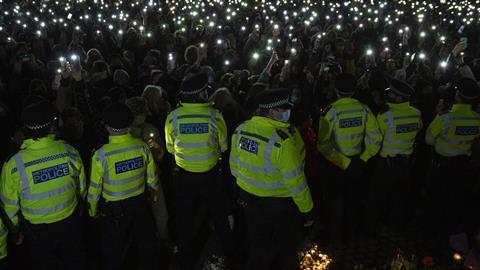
(194, 92)
(40, 126)
(118, 129)
(274, 104)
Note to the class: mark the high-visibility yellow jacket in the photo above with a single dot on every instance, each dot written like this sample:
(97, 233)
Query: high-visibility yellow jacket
(348, 129)
(453, 133)
(399, 126)
(267, 159)
(196, 135)
(3, 240)
(42, 181)
(120, 170)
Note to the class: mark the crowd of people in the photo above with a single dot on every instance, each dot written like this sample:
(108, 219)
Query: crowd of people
(123, 121)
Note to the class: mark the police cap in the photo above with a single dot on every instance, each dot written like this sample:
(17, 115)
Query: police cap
(39, 115)
(274, 98)
(194, 84)
(467, 88)
(400, 88)
(118, 116)
(345, 83)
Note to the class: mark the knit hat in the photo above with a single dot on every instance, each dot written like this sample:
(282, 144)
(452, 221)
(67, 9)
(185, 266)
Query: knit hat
(194, 84)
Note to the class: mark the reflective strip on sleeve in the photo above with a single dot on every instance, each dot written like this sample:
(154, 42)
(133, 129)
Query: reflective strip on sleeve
(8, 201)
(207, 116)
(49, 210)
(129, 191)
(299, 189)
(174, 124)
(93, 196)
(294, 173)
(256, 183)
(124, 181)
(151, 175)
(396, 151)
(267, 156)
(11, 214)
(195, 144)
(456, 142)
(95, 185)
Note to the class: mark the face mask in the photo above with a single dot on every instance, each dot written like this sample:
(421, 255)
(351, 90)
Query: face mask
(285, 116)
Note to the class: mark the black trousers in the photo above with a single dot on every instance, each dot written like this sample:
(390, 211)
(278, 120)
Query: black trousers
(343, 202)
(388, 194)
(125, 221)
(273, 232)
(190, 191)
(448, 189)
(59, 244)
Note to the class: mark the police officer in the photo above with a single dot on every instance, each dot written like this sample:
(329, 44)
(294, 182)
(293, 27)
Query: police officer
(348, 137)
(121, 173)
(3, 246)
(196, 134)
(39, 189)
(267, 160)
(390, 183)
(452, 134)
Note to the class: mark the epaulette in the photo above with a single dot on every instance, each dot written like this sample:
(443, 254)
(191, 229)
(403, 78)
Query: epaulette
(282, 134)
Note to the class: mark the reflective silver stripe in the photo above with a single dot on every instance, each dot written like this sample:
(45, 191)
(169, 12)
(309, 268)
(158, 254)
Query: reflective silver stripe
(93, 196)
(406, 117)
(124, 181)
(8, 201)
(153, 185)
(126, 192)
(456, 142)
(195, 144)
(71, 151)
(268, 152)
(123, 150)
(256, 183)
(49, 210)
(95, 185)
(11, 214)
(47, 194)
(250, 167)
(3, 231)
(294, 173)
(454, 152)
(396, 151)
(174, 123)
(373, 133)
(357, 148)
(372, 141)
(349, 137)
(151, 175)
(299, 189)
(191, 116)
(22, 172)
(197, 158)
(351, 111)
(400, 142)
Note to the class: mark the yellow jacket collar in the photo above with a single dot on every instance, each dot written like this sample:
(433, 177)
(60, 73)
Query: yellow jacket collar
(346, 100)
(461, 107)
(38, 143)
(185, 104)
(402, 105)
(270, 122)
(119, 138)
